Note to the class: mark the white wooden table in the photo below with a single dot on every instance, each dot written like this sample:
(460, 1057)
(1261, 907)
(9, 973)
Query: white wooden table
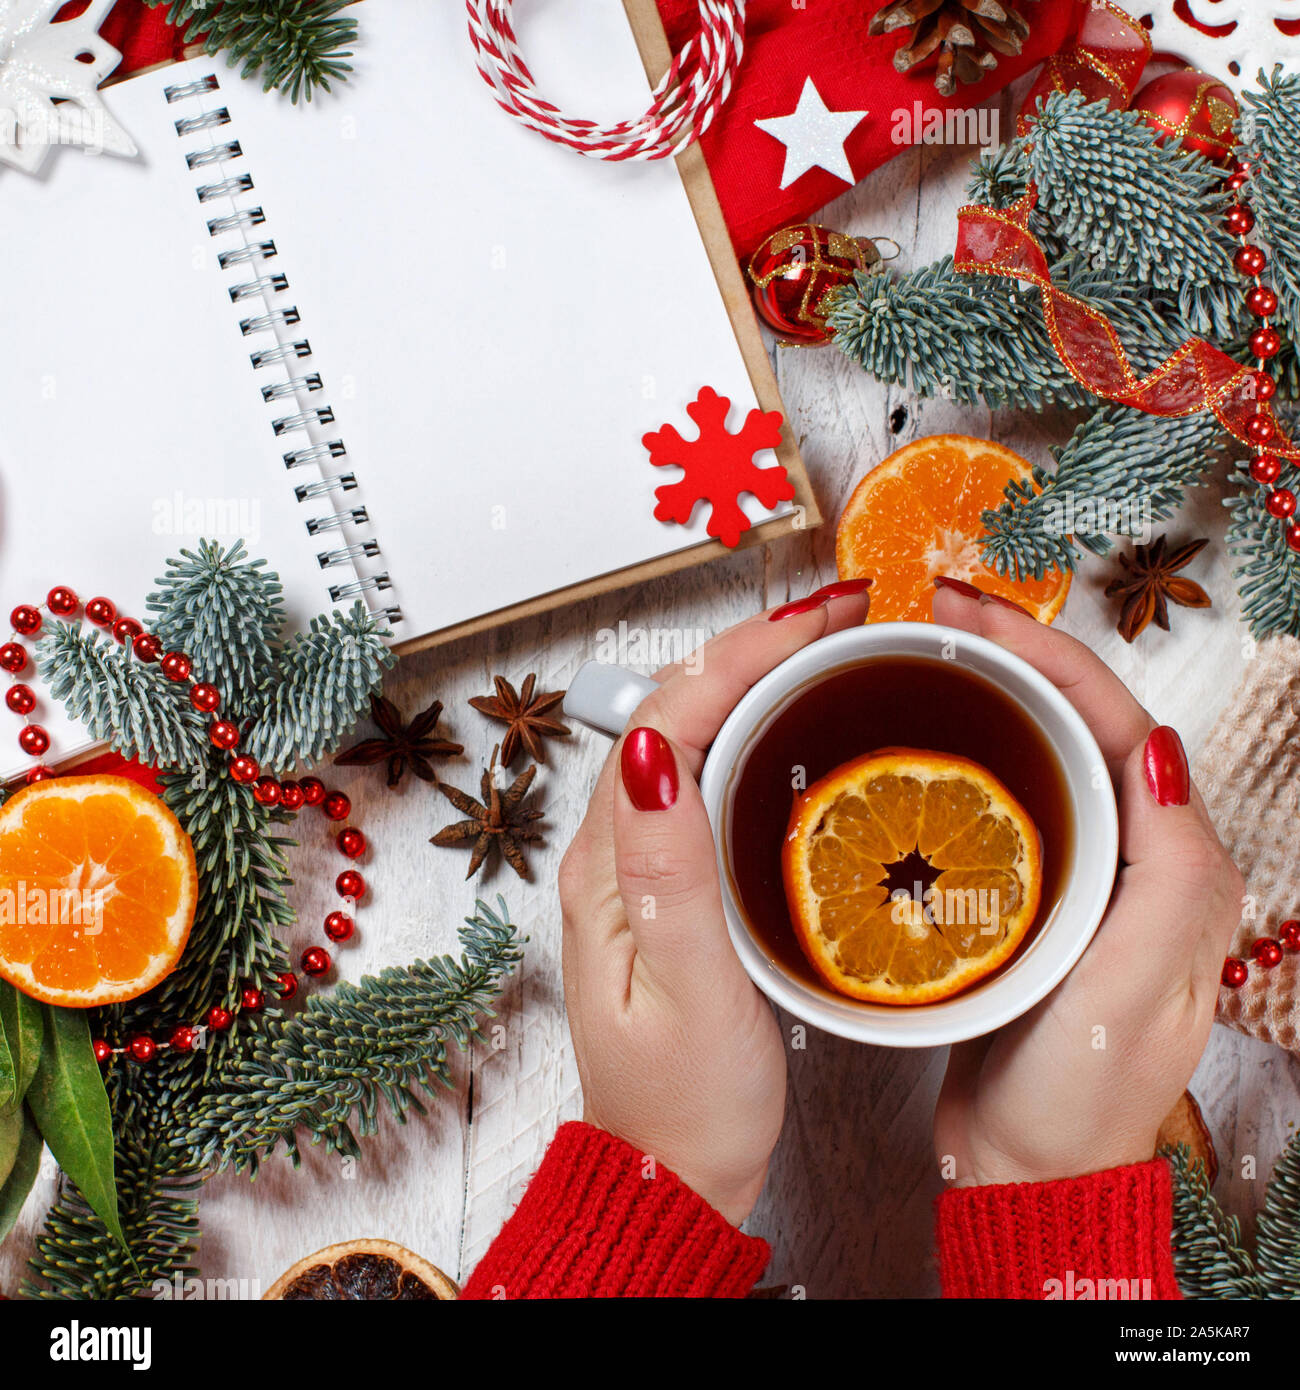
(847, 1205)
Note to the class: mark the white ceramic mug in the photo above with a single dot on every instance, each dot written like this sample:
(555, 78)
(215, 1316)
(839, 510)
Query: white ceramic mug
(606, 696)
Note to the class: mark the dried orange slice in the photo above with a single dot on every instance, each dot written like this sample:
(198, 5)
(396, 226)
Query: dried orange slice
(910, 875)
(97, 890)
(362, 1271)
(916, 515)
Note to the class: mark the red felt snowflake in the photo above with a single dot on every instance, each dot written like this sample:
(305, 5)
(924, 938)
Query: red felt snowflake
(718, 466)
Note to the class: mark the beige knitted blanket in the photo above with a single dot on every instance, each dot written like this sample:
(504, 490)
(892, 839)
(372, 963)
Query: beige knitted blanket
(1249, 774)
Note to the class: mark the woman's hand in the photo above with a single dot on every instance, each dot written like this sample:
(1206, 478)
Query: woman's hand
(678, 1052)
(1083, 1081)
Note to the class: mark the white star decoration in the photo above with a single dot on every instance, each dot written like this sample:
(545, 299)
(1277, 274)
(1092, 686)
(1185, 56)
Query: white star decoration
(47, 97)
(813, 136)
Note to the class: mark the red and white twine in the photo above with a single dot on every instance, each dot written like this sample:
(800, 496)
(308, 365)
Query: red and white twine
(682, 106)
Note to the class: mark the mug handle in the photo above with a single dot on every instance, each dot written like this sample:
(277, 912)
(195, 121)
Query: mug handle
(604, 696)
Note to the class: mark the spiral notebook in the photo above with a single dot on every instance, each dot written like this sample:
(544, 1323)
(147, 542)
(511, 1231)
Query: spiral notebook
(401, 346)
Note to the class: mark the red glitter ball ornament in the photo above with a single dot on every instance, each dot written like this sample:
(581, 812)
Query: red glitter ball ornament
(1194, 109)
(33, 740)
(13, 657)
(61, 601)
(267, 791)
(313, 790)
(1234, 972)
(147, 647)
(142, 1048)
(183, 1038)
(352, 842)
(176, 666)
(219, 1019)
(339, 926)
(204, 697)
(223, 734)
(336, 806)
(25, 619)
(315, 960)
(291, 797)
(21, 699)
(101, 611)
(244, 769)
(101, 1050)
(793, 271)
(350, 884)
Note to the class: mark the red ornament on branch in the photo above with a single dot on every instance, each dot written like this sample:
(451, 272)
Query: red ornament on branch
(1193, 108)
(794, 270)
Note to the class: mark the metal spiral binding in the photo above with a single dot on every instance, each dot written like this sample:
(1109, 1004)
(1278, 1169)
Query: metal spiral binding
(261, 286)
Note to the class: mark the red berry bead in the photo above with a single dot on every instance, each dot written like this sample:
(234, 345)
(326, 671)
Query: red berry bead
(1267, 951)
(204, 697)
(34, 740)
(1262, 301)
(1234, 972)
(13, 657)
(101, 611)
(313, 790)
(183, 1038)
(288, 984)
(336, 806)
(1240, 220)
(62, 601)
(350, 884)
(315, 960)
(244, 769)
(39, 774)
(1292, 535)
(267, 791)
(339, 926)
(1260, 429)
(352, 842)
(1235, 181)
(1265, 468)
(252, 1000)
(1250, 260)
(26, 619)
(291, 797)
(1266, 342)
(1289, 934)
(142, 1048)
(147, 647)
(102, 1051)
(223, 733)
(127, 630)
(176, 666)
(21, 699)
(219, 1019)
(1265, 386)
(1281, 503)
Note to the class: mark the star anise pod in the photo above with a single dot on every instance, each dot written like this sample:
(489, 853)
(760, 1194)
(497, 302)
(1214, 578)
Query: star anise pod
(498, 819)
(526, 714)
(1151, 582)
(967, 35)
(403, 745)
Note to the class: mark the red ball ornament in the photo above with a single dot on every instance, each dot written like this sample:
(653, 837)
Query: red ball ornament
(101, 611)
(176, 666)
(350, 884)
(26, 619)
(33, 740)
(1260, 429)
(204, 697)
(244, 769)
(267, 791)
(1281, 503)
(1234, 972)
(313, 790)
(142, 1048)
(1289, 934)
(1262, 302)
(1234, 182)
(183, 1038)
(219, 1019)
(13, 657)
(793, 271)
(147, 647)
(61, 601)
(288, 983)
(291, 797)
(1240, 220)
(39, 774)
(1250, 260)
(339, 926)
(1192, 108)
(352, 842)
(252, 1000)
(1267, 952)
(127, 630)
(21, 699)
(1265, 386)
(315, 960)
(336, 806)
(1266, 342)
(101, 1050)
(223, 733)
(1265, 468)
(1292, 535)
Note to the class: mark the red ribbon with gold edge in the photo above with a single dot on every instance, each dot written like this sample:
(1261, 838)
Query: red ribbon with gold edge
(1197, 377)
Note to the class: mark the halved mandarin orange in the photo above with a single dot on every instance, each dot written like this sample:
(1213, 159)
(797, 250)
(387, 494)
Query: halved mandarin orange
(863, 840)
(97, 890)
(916, 515)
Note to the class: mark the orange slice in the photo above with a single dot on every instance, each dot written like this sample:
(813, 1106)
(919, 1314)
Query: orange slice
(916, 515)
(97, 890)
(910, 875)
(363, 1271)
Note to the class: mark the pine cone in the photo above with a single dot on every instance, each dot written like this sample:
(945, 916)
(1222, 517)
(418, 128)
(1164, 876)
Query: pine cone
(967, 34)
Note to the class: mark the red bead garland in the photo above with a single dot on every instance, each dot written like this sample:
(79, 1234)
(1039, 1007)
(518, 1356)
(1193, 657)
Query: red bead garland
(1267, 952)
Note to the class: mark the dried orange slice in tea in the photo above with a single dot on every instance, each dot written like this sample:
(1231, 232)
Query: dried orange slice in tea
(97, 890)
(362, 1271)
(916, 515)
(910, 875)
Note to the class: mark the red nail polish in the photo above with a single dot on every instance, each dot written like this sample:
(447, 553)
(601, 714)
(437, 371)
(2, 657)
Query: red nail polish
(842, 588)
(799, 605)
(958, 586)
(649, 770)
(1006, 603)
(1165, 763)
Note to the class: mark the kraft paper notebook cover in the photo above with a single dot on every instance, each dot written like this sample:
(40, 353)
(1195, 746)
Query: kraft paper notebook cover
(403, 346)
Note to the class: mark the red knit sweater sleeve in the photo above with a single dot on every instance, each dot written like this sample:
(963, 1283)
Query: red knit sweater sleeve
(1103, 1236)
(600, 1220)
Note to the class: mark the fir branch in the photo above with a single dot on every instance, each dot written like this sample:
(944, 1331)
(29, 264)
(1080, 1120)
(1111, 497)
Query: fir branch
(1209, 1258)
(329, 1067)
(325, 682)
(1268, 572)
(128, 704)
(298, 45)
(1277, 1232)
(1270, 123)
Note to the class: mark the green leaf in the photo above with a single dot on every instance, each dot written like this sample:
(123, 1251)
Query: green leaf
(22, 1174)
(11, 1131)
(22, 1025)
(70, 1105)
